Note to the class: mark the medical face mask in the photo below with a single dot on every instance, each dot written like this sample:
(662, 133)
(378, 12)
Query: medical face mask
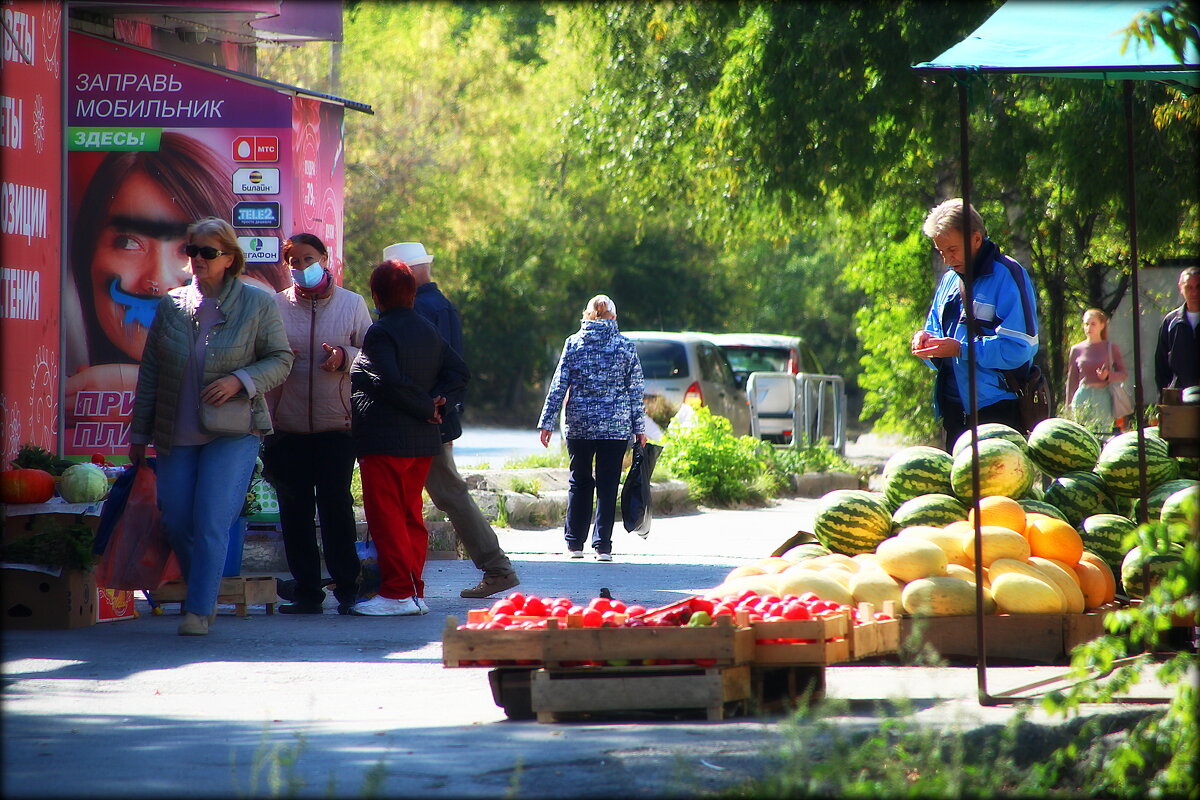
(310, 276)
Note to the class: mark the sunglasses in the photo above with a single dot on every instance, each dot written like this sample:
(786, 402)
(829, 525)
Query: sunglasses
(207, 253)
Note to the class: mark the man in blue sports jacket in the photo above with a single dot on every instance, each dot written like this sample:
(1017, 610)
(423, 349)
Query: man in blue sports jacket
(1006, 337)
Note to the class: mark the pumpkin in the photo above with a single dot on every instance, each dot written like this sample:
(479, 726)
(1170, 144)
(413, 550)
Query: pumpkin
(26, 486)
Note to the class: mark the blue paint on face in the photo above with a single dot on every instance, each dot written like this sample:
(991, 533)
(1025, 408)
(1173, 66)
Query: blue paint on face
(139, 309)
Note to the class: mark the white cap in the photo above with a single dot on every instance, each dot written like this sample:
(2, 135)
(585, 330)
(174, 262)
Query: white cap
(411, 253)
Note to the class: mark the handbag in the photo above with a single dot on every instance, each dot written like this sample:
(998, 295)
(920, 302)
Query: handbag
(1121, 406)
(1033, 394)
(135, 551)
(636, 513)
(231, 418)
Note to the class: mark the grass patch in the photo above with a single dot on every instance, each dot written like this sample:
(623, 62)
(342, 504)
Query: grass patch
(551, 459)
(527, 486)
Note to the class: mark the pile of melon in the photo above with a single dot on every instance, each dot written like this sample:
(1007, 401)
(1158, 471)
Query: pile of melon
(1061, 484)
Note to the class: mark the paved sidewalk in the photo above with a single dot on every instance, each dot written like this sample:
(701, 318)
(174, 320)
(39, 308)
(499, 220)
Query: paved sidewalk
(343, 704)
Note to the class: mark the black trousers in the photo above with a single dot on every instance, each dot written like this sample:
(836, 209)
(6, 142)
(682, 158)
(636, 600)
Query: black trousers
(603, 485)
(955, 421)
(312, 472)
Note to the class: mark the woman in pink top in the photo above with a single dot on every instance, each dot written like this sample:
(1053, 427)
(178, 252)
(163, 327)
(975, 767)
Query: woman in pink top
(1094, 364)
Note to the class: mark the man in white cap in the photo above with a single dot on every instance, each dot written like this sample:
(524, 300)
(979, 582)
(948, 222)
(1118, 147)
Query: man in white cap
(446, 487)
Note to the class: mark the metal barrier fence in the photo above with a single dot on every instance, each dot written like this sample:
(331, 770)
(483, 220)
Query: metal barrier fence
(797, 410)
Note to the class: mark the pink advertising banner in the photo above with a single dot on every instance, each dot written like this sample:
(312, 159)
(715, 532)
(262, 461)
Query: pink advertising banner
(30, 213)
(153, 145)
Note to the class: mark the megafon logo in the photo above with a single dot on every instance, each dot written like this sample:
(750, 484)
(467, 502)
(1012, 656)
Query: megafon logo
(260, 249)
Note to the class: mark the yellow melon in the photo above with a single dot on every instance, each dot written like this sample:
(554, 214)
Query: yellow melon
(949, 541)
(773, 564)
(744, 570)
(997, 543)
(1053, 538)
(1066, 581)
(938, 596)
(1092, 584)
(1016, 593)
(875, 586)
(1106, 572)
(797, 580)
(1001, 511)
(909, 558)
(1005, 566)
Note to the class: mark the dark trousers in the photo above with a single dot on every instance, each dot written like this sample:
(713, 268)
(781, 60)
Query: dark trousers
(955, 421)
(603, 485)
(312, 472)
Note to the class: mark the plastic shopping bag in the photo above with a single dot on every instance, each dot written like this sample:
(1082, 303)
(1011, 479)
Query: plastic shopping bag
(635, 495)
(136, 554)
(368, 578)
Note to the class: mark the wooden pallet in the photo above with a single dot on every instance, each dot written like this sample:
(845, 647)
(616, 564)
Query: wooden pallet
(608, 690)
(241, 592)
(1038, 638)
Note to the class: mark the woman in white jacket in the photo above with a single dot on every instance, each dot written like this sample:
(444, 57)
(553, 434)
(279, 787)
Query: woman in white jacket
(310, 458)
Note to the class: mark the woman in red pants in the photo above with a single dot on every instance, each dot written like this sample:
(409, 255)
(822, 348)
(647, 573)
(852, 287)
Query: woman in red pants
(401, 378)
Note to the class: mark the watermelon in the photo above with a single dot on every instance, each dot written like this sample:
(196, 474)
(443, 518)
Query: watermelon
(1160, 564)
(1154, 502)
(1118, 464)
(802, 552)
(915, 471)
(1004, 469)
(852, 521)
(1105, 534)
(1032, 506)
(1035, 491)
(1180, 507)
(990, 430)
(1059, 446)
(1078, 495)
(84, 483)
(929, 509)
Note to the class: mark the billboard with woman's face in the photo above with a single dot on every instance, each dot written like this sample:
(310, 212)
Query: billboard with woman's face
(154, 145)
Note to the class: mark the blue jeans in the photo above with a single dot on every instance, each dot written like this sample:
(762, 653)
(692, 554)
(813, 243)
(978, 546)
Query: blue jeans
(607, 455)
(201, 489)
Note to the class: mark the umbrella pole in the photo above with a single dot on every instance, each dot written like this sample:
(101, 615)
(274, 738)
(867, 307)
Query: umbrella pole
(968, 302)
(1138, 394)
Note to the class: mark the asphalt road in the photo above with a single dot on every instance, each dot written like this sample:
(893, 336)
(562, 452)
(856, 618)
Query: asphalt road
(346, 706)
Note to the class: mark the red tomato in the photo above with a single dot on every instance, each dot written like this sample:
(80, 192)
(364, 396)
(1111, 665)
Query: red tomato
(559, 611)
(618, 606)
(503, 619)
(748, 593)
(701, 604)
(882, 617)
(635, 610)
(592, 618)
(773, 598)
(517, 599)
(600, 604)
(503, 607)
(796, 610)
(534, 607)
(723, 610)
(809, 597)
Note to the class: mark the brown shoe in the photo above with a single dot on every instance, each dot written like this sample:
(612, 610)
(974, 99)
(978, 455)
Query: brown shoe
(193, 625)
(491, 584)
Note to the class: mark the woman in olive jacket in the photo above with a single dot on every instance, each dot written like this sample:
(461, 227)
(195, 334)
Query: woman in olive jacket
(212, 341)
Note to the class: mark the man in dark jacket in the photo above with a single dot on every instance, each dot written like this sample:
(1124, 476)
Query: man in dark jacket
(445, 485)
(1177, 357)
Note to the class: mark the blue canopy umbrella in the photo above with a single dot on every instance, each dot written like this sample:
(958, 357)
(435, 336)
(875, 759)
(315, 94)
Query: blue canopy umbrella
(1082, 40)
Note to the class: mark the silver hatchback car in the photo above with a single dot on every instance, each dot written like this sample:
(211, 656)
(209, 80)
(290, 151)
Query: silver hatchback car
(683, 366)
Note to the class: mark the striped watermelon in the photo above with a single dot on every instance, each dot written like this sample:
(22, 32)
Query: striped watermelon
(1105, 535)
(1136, 564)
(1032, 506)
(1004, 469)
(1154, 502)
(915, 471)
(990, 430)
(1036, 492)
(1180, 507)
(1118, 464)
(1059, 446)
(929, 509)
(852, 521)
(1078, 495)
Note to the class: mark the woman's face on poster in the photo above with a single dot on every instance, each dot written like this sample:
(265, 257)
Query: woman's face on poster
(138, 258)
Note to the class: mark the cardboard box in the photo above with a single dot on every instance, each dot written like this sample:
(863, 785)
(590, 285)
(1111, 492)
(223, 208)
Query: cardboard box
(114, 604)
(39, 601)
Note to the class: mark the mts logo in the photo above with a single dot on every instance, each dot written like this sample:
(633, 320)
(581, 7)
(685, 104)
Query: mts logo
(256, 148)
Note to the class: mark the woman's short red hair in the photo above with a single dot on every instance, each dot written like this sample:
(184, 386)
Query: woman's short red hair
(393, 285)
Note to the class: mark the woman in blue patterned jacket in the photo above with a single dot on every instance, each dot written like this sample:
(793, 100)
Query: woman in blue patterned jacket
(601, 378)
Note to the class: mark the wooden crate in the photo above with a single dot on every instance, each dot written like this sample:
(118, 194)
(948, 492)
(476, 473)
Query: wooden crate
(875, 637)
(241, 592)
(721, 644)
(479, 648)
(1039, 638)
(828, 641)
(609, 690)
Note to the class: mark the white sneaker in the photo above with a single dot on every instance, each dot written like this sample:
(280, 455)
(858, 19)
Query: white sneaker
(604, 556)
(380, 606)
(421, 604)
(575, 553)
